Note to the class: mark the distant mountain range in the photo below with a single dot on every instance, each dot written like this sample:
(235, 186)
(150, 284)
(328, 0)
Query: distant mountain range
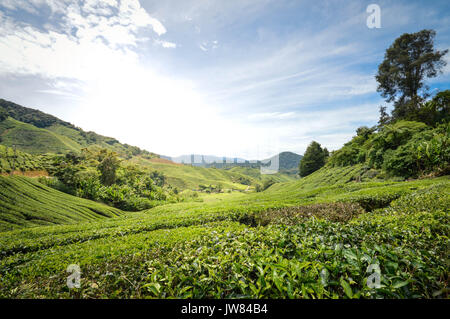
(203, 160)
(284, 162)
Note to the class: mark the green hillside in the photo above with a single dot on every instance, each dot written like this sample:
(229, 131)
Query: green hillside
(26, 202)
(34, 140)
(36, 132)
(288, 162)
(190, 177)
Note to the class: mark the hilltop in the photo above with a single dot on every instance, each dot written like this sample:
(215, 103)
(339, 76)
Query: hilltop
(36, 132)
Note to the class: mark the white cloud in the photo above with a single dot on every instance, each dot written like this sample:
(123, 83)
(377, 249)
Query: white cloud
(18, 4)
(131, 12)
(167, 44)
(100, 41)
(271, 116)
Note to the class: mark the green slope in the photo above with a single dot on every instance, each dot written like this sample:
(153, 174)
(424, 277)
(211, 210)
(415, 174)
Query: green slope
(25, 202)
(288, 162)
(36, 132)
(256, 174)
(190, 177)
(34, 140)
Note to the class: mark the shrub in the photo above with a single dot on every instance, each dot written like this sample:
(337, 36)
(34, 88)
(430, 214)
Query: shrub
(425, 152)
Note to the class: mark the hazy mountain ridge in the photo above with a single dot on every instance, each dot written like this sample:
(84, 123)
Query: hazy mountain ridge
(286, 161)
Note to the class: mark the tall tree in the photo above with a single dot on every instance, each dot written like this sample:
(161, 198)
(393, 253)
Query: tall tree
(384, 117)
(313, 159)
(107, 167)
(408, 62)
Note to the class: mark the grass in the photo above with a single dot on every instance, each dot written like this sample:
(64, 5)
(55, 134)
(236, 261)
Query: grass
(28, 138)
(280, 243)
(26, 203)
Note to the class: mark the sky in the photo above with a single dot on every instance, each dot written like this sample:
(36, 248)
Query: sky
(237, 78)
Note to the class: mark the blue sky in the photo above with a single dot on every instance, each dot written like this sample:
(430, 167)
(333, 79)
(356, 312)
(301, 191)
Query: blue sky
(244, 78)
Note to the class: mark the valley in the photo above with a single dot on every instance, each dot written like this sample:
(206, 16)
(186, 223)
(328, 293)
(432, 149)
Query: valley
(84, 216)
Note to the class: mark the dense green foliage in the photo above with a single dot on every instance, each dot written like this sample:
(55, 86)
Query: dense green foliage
(435, 111)
(313, 159)
(31, 116)
(99, 176)
(3, 115)
(20, 161)
(405, 148)
(407, 63)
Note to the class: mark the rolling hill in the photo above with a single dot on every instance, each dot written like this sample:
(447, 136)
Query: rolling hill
(25, 202)
(190, 177)
(287, 162)
(204, 247)
(36, 132)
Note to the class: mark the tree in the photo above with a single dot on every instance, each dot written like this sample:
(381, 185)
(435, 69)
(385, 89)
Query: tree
(313, 159)
(384, 117)
(3, 115)
(407, 63)
(107, 167)
(436, 110)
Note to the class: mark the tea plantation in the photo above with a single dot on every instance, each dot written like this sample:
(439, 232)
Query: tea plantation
(294, 240)
(26, 202)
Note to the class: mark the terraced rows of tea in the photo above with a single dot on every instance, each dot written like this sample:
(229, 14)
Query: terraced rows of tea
(25, 202)
(311, 238)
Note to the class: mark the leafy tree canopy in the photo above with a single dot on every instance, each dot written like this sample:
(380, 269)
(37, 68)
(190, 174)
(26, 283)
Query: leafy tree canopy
(408, 62)
(313, 159)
